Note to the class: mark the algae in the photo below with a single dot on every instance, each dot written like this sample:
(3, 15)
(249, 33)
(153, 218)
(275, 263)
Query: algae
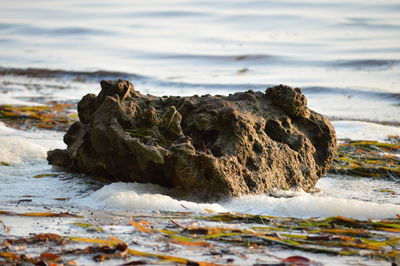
(333, 236)
(368, 158)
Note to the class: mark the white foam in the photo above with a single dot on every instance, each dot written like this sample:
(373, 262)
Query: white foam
(306, 205)
(17, 146)
(358, 130)
(18, 150)
(46, 138)
(146, 197)
(5, 129)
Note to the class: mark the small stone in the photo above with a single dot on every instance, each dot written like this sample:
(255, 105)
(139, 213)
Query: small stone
(58, 157)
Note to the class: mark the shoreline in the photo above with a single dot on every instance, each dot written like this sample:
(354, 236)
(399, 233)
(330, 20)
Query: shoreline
(189, 238)
(234, 233)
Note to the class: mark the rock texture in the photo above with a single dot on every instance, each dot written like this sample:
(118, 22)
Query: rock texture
(208, 146)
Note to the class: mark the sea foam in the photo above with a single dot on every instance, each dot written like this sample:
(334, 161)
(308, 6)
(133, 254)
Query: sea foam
(147, 197)
(17, 150)
(306, 205)
(17, 146)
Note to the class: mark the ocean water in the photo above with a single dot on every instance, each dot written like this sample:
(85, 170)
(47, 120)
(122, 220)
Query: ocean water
(345, 55)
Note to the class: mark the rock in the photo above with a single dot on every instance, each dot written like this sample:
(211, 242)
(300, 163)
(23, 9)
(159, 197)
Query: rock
(58, 157)
(209, 146)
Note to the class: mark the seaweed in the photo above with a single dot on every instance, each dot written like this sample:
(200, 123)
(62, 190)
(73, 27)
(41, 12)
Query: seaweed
(368, 158)
(53, 115)
(40, 214)
(334, 236)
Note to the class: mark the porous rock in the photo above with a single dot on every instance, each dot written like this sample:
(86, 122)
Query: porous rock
(209, 146)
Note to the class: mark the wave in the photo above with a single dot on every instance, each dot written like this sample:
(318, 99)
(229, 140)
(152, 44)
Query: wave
(233, 58)
(284, 60)
(351, 92)
(263, 59)
(366, 63)
(25, 29)
(5, 41)
(371, 26)
(168, 14)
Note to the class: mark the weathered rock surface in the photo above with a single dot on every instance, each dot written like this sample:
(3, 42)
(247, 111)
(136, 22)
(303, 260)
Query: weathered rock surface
(208, 146)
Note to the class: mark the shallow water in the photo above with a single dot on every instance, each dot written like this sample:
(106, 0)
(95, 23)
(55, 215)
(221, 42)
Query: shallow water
(345, 55)
(26, 150)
